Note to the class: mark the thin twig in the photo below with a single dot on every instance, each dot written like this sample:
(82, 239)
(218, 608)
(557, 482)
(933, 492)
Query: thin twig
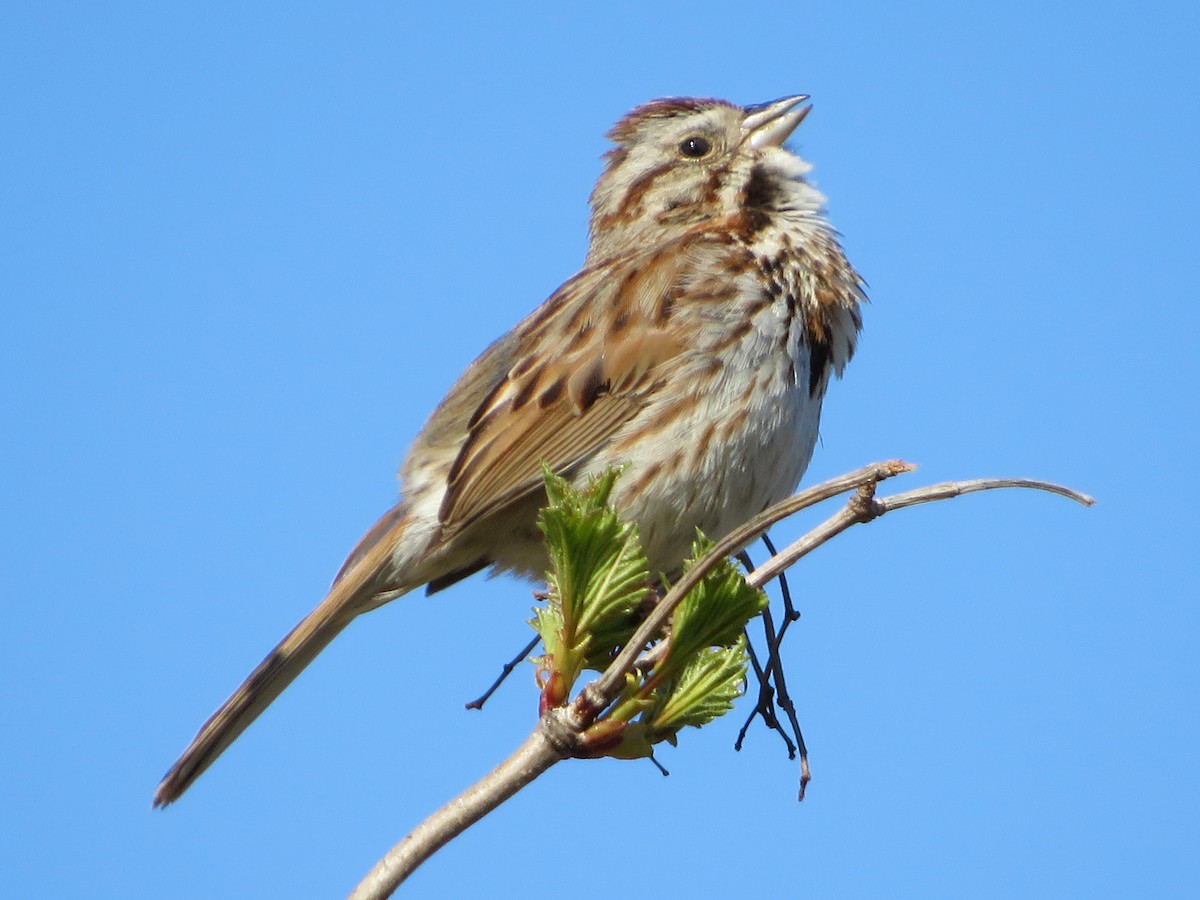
(765, 705)
(857, 511)
(782, 697)
(790, 613)
(505, 671)
(773, 671)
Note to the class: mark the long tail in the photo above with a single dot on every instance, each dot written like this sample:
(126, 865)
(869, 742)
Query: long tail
(356, 590)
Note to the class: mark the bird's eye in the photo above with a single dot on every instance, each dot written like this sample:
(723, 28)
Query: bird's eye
(694, 147)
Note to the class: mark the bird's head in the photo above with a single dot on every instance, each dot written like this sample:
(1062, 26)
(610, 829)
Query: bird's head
(681, 161)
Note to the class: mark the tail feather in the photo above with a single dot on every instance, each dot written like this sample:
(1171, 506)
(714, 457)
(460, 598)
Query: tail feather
(356, 590)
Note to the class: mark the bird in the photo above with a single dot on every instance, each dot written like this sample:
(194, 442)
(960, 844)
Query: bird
(693, 349)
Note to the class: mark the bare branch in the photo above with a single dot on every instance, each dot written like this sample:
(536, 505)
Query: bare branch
(542, 749)
(949, 489)
(860, 509)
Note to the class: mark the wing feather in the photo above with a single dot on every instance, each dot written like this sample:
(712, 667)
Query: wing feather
(600, 348)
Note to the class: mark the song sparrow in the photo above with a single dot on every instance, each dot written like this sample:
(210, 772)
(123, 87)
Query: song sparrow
(693, 348)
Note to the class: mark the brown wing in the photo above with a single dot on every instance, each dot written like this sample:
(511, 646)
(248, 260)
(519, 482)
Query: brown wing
(588, 361)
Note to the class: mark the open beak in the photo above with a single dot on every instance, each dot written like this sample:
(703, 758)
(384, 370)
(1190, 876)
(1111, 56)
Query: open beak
(770, 124)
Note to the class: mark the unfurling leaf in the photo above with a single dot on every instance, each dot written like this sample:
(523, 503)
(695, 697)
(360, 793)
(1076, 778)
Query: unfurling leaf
(703, 691)
(598, 575)
(715, 612)
(598, 585)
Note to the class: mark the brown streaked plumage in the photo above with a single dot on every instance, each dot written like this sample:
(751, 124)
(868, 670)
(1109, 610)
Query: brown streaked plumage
(694, 349)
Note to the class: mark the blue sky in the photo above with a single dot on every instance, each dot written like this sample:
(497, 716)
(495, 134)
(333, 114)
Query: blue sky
(247, 248)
